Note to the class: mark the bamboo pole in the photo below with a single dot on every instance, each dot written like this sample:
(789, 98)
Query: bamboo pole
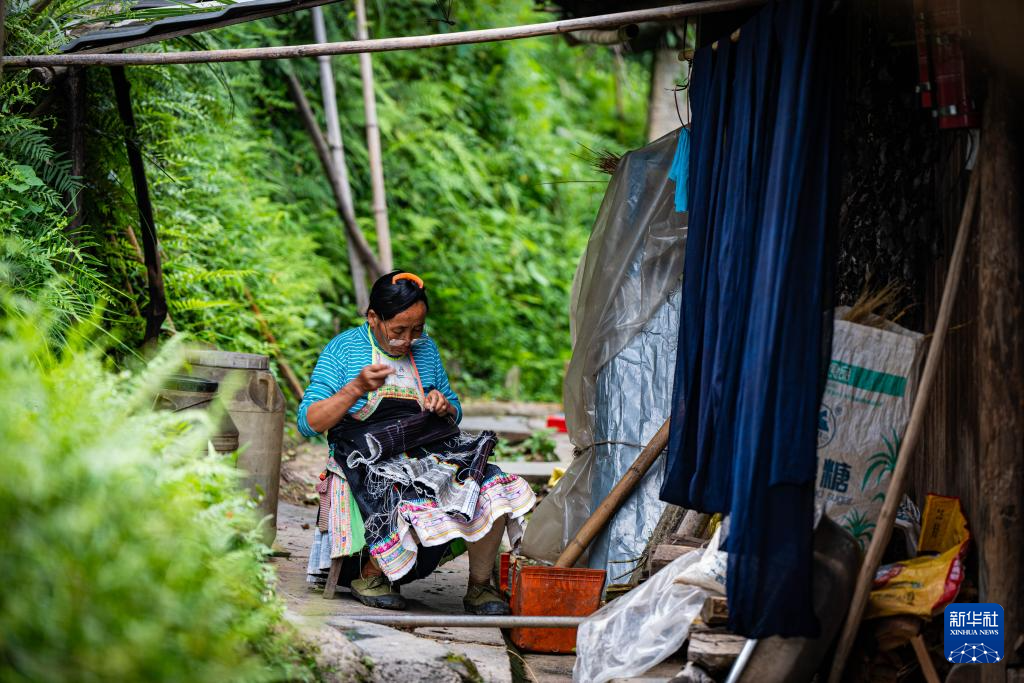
(337, 147)
(614, 500)
(897, 485)
(490, 35)
(380, 204)
(344, 208)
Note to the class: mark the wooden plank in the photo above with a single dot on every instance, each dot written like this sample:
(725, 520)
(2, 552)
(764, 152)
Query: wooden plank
(1000, 363)
(665, 554)
(715, 611)
(332, 579)
(694, 524)
(714, 651)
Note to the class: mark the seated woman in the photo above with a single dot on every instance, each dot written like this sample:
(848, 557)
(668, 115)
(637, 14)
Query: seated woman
(404, 489)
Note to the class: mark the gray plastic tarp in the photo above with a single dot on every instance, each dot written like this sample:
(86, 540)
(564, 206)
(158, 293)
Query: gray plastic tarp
(632, 264)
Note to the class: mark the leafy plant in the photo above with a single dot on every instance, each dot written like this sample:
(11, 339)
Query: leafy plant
(539, 446)
(134, 554)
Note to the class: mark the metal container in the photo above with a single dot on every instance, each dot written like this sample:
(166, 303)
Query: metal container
(182, 392)
(257, 408)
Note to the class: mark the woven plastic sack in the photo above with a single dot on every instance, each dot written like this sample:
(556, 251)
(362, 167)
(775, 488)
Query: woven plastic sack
(871, 384)
(630, 635)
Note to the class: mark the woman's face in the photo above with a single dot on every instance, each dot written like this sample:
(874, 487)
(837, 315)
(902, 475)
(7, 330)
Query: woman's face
(396, 335)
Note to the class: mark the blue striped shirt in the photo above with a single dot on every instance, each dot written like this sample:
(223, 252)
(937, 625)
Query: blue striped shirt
(351, 351)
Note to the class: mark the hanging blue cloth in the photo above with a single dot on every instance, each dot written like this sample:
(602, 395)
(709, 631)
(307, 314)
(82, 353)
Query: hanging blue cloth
(679, 171)
(743, 435)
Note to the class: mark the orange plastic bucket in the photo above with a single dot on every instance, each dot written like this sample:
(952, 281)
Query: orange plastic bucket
(555, 592)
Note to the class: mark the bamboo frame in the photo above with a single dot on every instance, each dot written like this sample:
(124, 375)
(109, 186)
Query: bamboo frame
(356, 237)
(548, 28)
(380, 204)
(337, 147)
(915, 427)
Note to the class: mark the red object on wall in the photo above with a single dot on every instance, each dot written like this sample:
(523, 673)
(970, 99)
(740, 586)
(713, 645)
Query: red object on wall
(557, 422)
(940, 26)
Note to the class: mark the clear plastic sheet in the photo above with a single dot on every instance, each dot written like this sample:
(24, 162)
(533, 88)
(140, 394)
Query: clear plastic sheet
(633, 262)
(634, 395)
(633, 633)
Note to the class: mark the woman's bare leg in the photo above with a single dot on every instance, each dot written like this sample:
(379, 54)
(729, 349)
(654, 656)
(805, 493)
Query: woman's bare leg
(483, 552)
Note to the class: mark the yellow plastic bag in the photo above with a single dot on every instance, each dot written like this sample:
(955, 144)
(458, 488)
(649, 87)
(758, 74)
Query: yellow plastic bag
(924, 586)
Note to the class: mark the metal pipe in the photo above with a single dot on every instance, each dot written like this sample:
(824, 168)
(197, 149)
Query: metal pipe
(490, 35)
(740, 665)
(463, 621)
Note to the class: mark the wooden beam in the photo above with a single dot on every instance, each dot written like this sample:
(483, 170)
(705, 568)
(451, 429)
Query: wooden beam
(344, 208)
(1000, 365)
(490, 35)
(337, 147)
(75, 88)
(156, 308)
(380, 204)
(3, 33)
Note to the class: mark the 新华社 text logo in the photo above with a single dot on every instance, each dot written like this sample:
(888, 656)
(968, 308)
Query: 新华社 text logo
(973, 633)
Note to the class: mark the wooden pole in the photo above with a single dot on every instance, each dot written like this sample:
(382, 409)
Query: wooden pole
(337, 147)
(344, 208)
(75, 86)
(156, 308)
(140, 258)
(1000, 367)
(614, 500)
(380, 204)
(897, 485)
(490, 35)
(3, 33)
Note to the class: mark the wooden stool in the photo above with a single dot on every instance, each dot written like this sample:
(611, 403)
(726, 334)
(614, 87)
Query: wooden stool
(332, 578)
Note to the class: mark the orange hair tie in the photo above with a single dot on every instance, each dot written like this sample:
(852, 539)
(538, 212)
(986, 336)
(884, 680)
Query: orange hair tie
(415, 279)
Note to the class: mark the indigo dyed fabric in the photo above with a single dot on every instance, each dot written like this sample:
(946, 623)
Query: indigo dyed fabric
(743, 437)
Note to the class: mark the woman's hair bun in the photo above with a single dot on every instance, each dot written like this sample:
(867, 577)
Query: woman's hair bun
(396, 291)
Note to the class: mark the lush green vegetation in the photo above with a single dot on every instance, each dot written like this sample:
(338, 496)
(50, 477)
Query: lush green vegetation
(488, 196)
(127, 553)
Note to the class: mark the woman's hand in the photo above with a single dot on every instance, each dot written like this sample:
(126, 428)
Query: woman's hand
(435, 402)
(372, 377)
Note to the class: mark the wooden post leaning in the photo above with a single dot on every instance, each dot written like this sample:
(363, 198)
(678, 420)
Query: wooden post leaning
(615, 498)
(897, 485)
